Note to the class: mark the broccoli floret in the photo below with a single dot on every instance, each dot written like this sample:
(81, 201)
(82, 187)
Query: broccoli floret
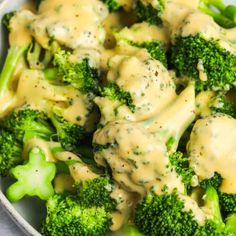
(79, 74)
(156, 49)
(218, 63)
(214, 181)
(96, 192)
(10, 151)
(113, 5)
(27, 123)
(115, 93)
(165, 215)
(37, 57)
(148, 13)
(33, 178)
(224, 15)
(7, 18)
(181, 165)
(68, 133)
(227, 201)
(220, 104)
(67, 217)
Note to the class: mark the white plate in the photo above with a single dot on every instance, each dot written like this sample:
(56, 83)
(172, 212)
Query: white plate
(27, 213)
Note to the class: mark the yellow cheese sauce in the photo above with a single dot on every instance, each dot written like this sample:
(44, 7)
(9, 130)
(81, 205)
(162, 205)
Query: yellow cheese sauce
(212, 149)
(147, 81)
(72, 24)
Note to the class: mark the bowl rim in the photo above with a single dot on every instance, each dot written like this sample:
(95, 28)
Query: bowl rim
(16, 217)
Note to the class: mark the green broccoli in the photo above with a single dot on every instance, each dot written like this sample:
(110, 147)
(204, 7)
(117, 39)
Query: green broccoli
(33, 178)
(223, 14)
(67, 217)
(10, 151)
(181, 165)
(68, 133)
(96, 192)
(79, 74)
(115, 93)
(26, 123)
(221, 104)
(14, 54)
(113, 5)
(227, 201)
(165, 215)
(230, 223)
(7, 18)
(153, 43)
(37, 57)
(218, 63)
(146, 12)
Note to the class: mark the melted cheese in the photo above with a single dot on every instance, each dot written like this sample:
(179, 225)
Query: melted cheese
(20, 34)
(143, 32)
(137, 159)
(212, 149)
(71, 23)
(42, 95)
(148, 82)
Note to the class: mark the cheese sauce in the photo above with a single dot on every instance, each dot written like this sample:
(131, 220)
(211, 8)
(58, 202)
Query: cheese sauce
(148, 82)
(74, 24)
(212, 149)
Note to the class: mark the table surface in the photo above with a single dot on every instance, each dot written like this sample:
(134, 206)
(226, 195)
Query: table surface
(7, 226)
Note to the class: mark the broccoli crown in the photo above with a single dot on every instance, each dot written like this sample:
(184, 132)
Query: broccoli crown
(68, 134)
(180, 163)
(156, 49)
(10, 151)
(113, 5)
(7, 18)
(218, 63)
(80, 74)
(221, 105)
(227, 201)
(211, 228)
(148, 13)
(27, 123)
(215, 181)
(115, 93)
(164, 215)
(96, 192)
(66, 217)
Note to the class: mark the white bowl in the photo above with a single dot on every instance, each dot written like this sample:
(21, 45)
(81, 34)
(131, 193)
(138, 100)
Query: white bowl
(27, 213)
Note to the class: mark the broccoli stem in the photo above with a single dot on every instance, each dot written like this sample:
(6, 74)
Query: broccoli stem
(14, 54)
(50, 73)
(211, 202)
(220, 17)
(230, 223)
(167, 126)
(34, 178)
(37, 57)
